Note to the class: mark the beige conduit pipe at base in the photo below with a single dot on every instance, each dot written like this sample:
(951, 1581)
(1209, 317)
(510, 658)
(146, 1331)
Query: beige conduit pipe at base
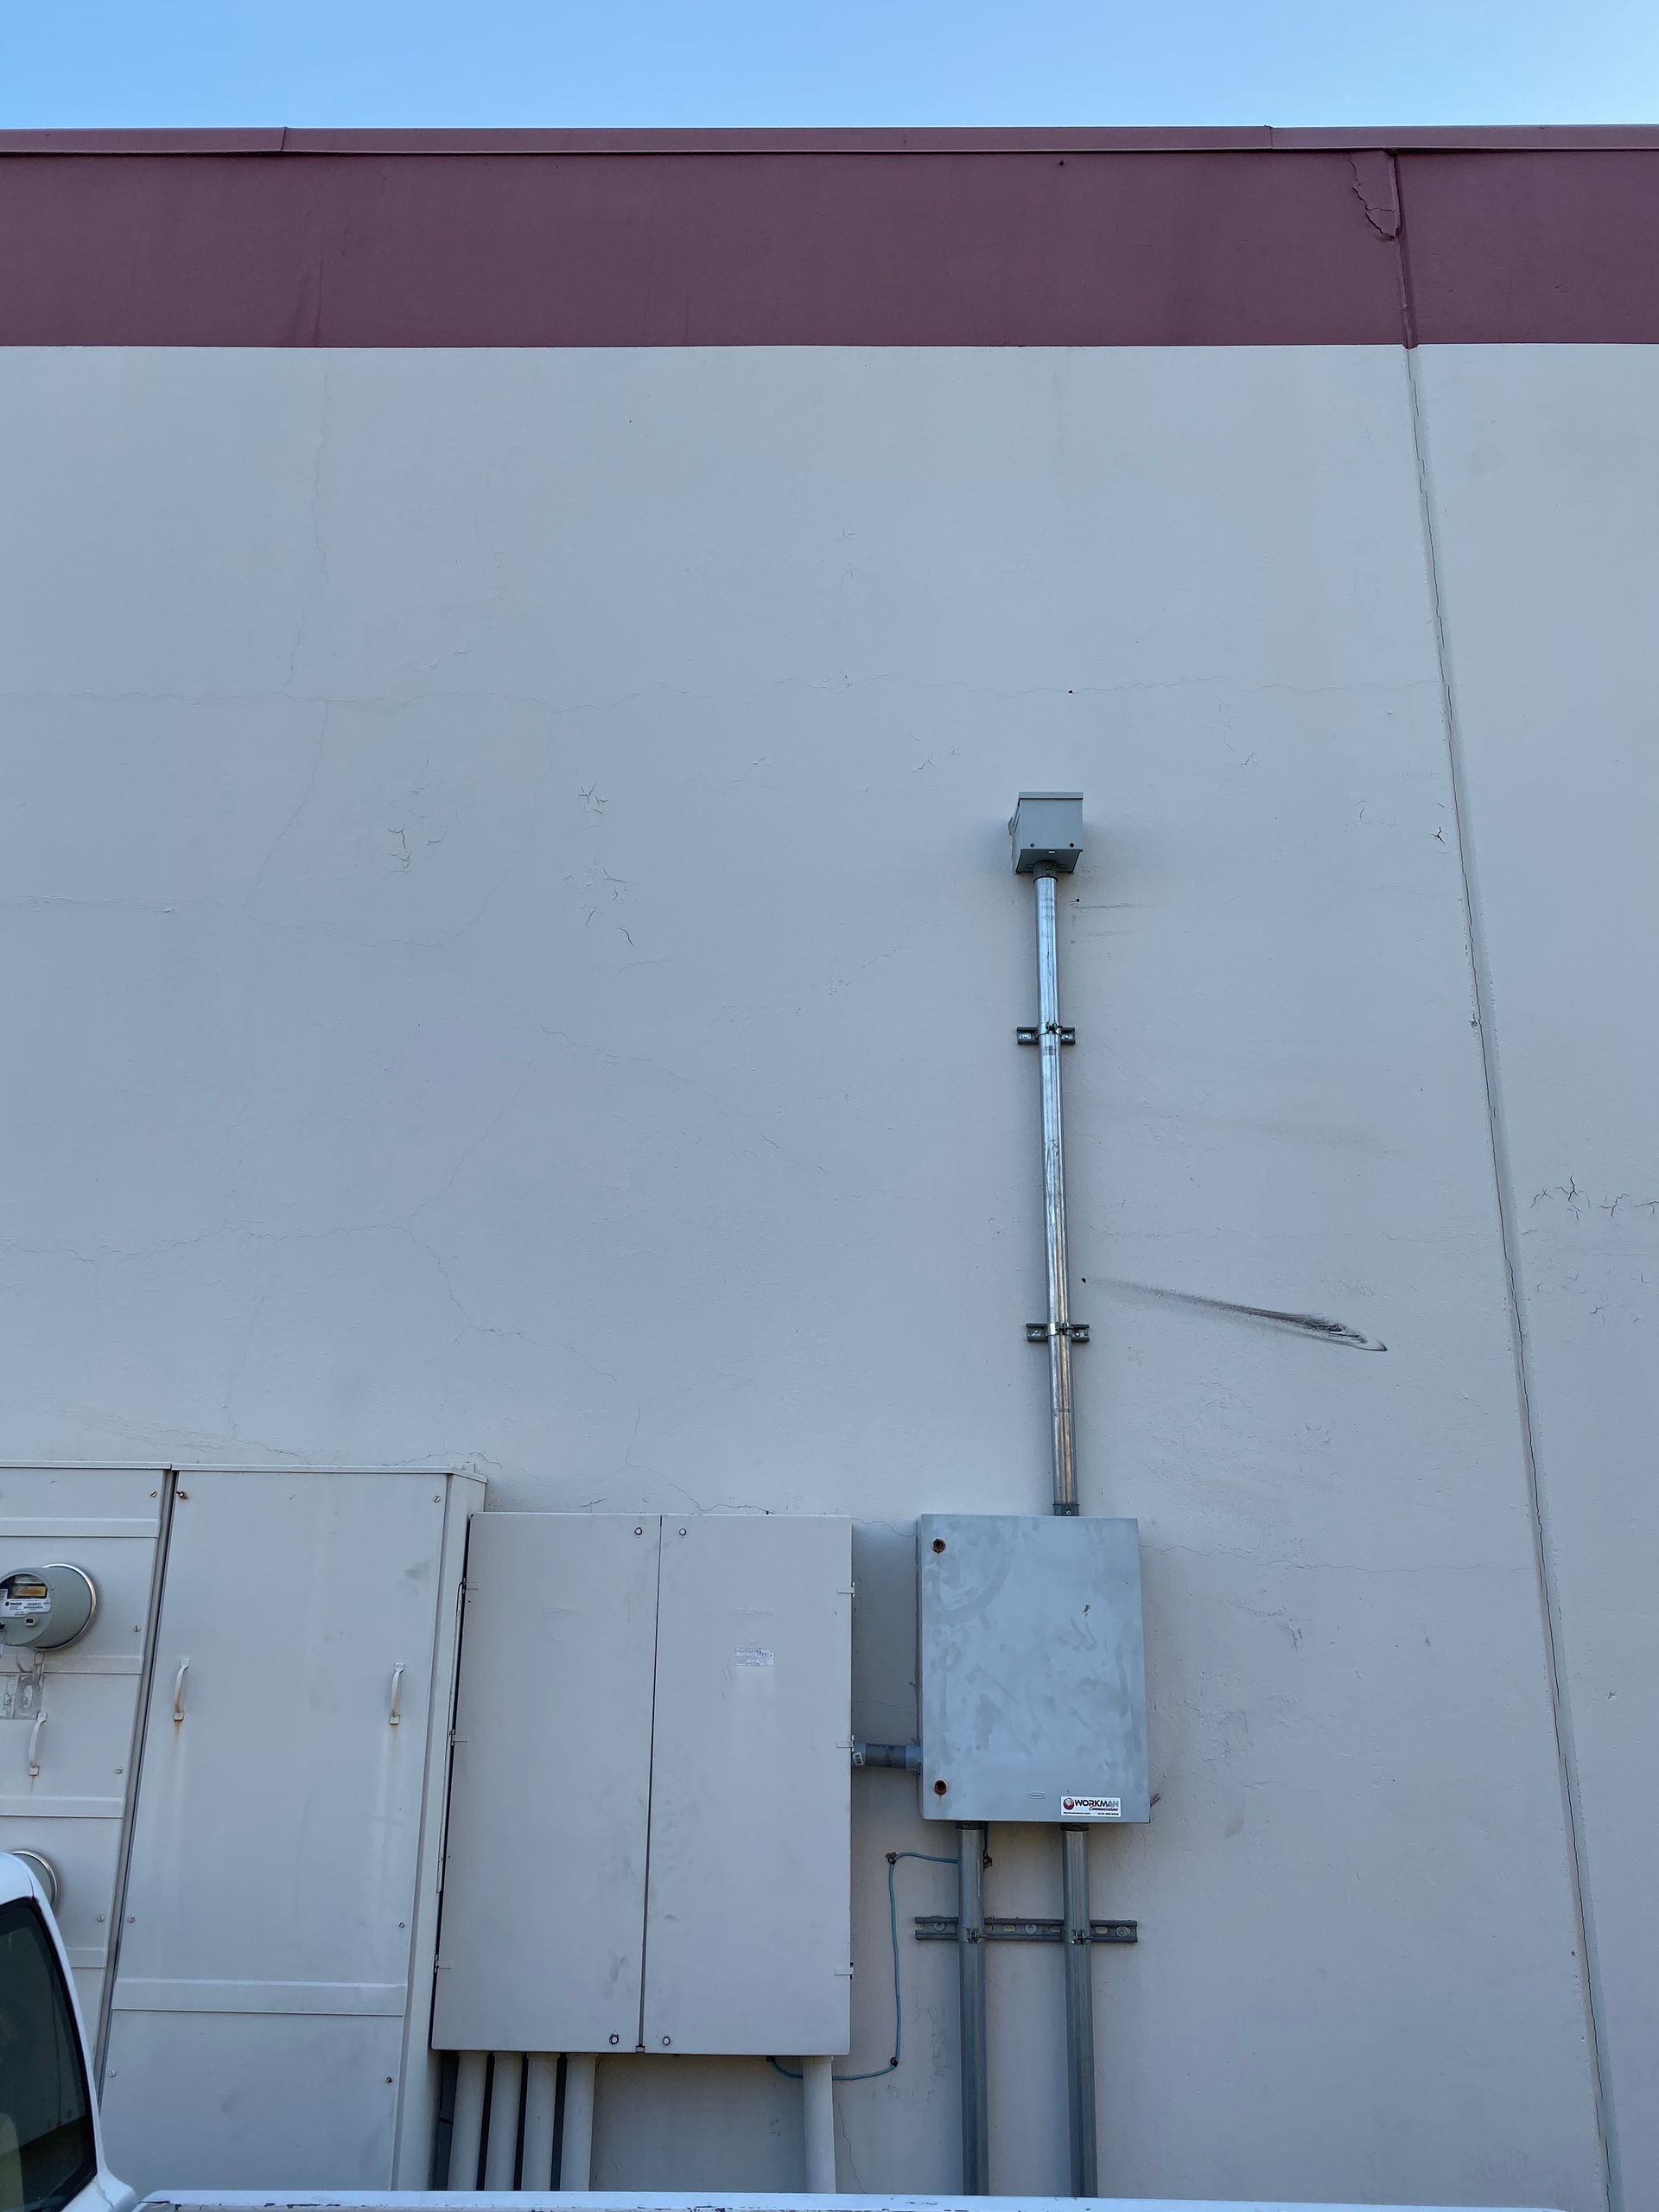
(576, 2156)
(818, 2120)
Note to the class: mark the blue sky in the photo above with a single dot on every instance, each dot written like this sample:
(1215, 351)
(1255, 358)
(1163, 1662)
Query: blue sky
(616, 62)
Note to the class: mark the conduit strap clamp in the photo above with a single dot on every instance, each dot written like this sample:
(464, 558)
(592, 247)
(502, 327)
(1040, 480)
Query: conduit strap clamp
(1034, 1035)
(1039, 1332)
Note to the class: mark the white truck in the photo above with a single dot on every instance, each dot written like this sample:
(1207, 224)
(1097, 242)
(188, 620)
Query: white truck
(51, 2150)
(51, 2146)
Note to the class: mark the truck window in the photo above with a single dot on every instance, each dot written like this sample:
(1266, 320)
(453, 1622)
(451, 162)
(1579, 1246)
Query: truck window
(46, 2152)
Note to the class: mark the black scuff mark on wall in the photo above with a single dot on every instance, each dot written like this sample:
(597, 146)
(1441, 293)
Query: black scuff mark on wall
(1307, 1325)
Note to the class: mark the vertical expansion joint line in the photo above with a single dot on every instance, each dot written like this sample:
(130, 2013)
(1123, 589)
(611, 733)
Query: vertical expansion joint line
(1549, 1601)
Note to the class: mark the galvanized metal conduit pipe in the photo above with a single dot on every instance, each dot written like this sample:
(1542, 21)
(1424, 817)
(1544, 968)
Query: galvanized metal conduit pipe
(576, 2148)
(466, 2124)
(1060, 1294)
(908, 1755)
(1079, 1955)
(970, 1973)
(1078, 1948)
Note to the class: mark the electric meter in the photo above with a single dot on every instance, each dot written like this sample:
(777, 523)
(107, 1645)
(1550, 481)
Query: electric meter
(44, 1872)
(43, 1608)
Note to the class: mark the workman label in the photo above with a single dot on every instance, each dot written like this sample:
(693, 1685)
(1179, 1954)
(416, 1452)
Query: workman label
(1091, 1808)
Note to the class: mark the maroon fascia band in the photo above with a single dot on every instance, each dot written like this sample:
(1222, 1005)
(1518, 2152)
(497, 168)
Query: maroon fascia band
(821, 238)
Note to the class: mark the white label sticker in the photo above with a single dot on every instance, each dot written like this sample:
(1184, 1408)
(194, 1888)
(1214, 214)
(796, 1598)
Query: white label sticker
(1091, 1808)
(752, 1658)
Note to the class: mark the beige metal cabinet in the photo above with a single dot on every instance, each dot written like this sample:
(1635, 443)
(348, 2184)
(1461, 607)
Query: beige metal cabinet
(648, 1822)
(298, 1691)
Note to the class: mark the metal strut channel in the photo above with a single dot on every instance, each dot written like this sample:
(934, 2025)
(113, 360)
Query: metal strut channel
(942, 1927)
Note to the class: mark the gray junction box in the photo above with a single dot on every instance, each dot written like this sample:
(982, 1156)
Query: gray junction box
(1032, 1669)
(1047, 831)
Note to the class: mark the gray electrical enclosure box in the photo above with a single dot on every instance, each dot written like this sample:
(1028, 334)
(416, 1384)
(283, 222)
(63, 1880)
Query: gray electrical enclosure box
(1032, 1673)
(1047, 831)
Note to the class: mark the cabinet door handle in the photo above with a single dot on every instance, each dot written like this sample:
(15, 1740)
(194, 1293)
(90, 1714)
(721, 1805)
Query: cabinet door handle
(393, 1716)
(178, 1691)
(35, 1746)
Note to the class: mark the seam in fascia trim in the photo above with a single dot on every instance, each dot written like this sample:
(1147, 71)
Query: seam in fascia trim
(1503, 1182)
(1409, 330)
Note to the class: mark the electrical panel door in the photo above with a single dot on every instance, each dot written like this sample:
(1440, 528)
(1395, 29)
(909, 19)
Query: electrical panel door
(1032, 1669)
(649, 1798)
(747, 1929)
(550, 1794)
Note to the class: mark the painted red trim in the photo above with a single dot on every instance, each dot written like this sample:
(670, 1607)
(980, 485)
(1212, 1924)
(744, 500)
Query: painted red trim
(852, 239)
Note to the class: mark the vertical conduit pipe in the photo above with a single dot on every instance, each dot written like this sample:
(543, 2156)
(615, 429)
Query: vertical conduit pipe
(541, 2115)
(1059, 1292)
(466, 2124)
(501, 2152)
(1079, 1948)
(1078, 1938)
(576, 2155)
(970, 1972)
(818, 2120)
